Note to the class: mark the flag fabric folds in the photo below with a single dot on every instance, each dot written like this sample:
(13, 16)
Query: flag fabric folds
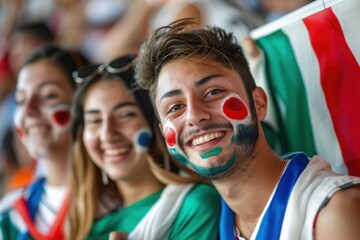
(312, 77)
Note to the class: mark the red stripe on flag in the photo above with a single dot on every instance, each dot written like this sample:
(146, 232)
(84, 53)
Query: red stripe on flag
(340, 75)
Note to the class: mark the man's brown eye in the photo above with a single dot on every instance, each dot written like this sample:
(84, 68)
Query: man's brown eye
(175, 108)
(214, 92)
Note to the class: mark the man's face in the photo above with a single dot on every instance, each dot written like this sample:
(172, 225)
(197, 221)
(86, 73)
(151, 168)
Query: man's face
(205, 116)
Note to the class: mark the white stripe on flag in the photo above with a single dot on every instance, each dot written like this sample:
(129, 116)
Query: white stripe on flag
(326, 142)
(348, 14)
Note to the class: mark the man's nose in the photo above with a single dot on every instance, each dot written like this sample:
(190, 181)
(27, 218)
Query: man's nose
(196, 112)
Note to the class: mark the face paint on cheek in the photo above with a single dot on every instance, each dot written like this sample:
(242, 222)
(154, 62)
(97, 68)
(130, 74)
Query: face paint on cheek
(235, 110)
(142, 139)
(179, 157)
(246, 134)
(173, 146)
(213, 152)
(245, 130)
(19, 132)
(208, 172)
(170, 136)
(61, 115)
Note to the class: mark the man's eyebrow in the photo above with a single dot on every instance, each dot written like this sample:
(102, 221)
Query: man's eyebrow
(198, 83)
(205, 80)
(172, 93)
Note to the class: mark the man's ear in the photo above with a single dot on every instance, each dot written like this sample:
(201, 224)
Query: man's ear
(260, 101)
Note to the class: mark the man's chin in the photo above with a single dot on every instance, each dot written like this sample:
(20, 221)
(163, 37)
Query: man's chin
(220, 175)
(213, 172)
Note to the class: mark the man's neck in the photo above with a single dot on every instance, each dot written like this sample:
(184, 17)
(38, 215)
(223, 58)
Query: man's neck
(247, 192)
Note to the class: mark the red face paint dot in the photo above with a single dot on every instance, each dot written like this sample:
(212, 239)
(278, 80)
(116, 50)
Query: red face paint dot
(170, 137)
(20, 133)
(234, 108)
(62, 117)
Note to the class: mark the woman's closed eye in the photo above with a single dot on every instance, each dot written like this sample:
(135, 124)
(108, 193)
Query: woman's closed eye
(50, 96)
(125, 115)
(92, 120)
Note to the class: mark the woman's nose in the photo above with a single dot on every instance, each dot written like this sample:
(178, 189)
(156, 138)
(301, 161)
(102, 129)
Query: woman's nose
(31, 107)
(108, 131)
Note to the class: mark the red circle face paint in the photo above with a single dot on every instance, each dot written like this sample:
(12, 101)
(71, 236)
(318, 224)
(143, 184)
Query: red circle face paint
(170, 137)
(62, 117)
(234, 108)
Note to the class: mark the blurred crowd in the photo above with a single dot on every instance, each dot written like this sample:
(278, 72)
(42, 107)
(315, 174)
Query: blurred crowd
(101, 30)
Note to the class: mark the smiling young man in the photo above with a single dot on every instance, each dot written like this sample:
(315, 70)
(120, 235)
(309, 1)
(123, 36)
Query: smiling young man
(210, 111)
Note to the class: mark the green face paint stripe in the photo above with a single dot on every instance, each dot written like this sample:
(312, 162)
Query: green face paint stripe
(180, 158)
(216, 170)
(213, 152)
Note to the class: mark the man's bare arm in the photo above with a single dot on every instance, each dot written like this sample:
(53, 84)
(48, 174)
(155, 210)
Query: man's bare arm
(340, 218)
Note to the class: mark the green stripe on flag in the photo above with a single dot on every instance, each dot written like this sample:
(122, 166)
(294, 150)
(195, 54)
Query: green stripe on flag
(288, 93)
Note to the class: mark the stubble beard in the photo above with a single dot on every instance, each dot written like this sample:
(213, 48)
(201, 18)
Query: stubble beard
(244, 152)
(244, 155)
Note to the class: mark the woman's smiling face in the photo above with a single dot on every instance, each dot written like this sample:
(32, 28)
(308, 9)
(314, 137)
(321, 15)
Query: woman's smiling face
(42, 116)
(116, 134)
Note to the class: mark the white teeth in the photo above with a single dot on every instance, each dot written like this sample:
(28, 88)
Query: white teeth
(36, 130)
(114, 152)
(206, 138)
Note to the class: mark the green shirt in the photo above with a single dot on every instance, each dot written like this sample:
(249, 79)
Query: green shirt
(197, 219)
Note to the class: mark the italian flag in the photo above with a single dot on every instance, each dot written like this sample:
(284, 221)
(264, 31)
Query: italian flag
(312, 77)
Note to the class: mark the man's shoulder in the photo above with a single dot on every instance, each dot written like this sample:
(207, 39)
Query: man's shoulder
(341, 215)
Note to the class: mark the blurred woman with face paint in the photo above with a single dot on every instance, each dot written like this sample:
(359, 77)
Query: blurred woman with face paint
(43, 122)
(120, 179)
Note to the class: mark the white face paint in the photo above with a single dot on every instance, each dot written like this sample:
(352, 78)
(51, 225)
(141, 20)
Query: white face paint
(172, 142)
(235, 110)
(61, 115)
(210, 122)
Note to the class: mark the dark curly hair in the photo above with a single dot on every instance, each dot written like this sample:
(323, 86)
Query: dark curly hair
(181, 40)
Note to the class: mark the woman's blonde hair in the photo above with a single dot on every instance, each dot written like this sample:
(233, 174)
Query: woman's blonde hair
(84, 193)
